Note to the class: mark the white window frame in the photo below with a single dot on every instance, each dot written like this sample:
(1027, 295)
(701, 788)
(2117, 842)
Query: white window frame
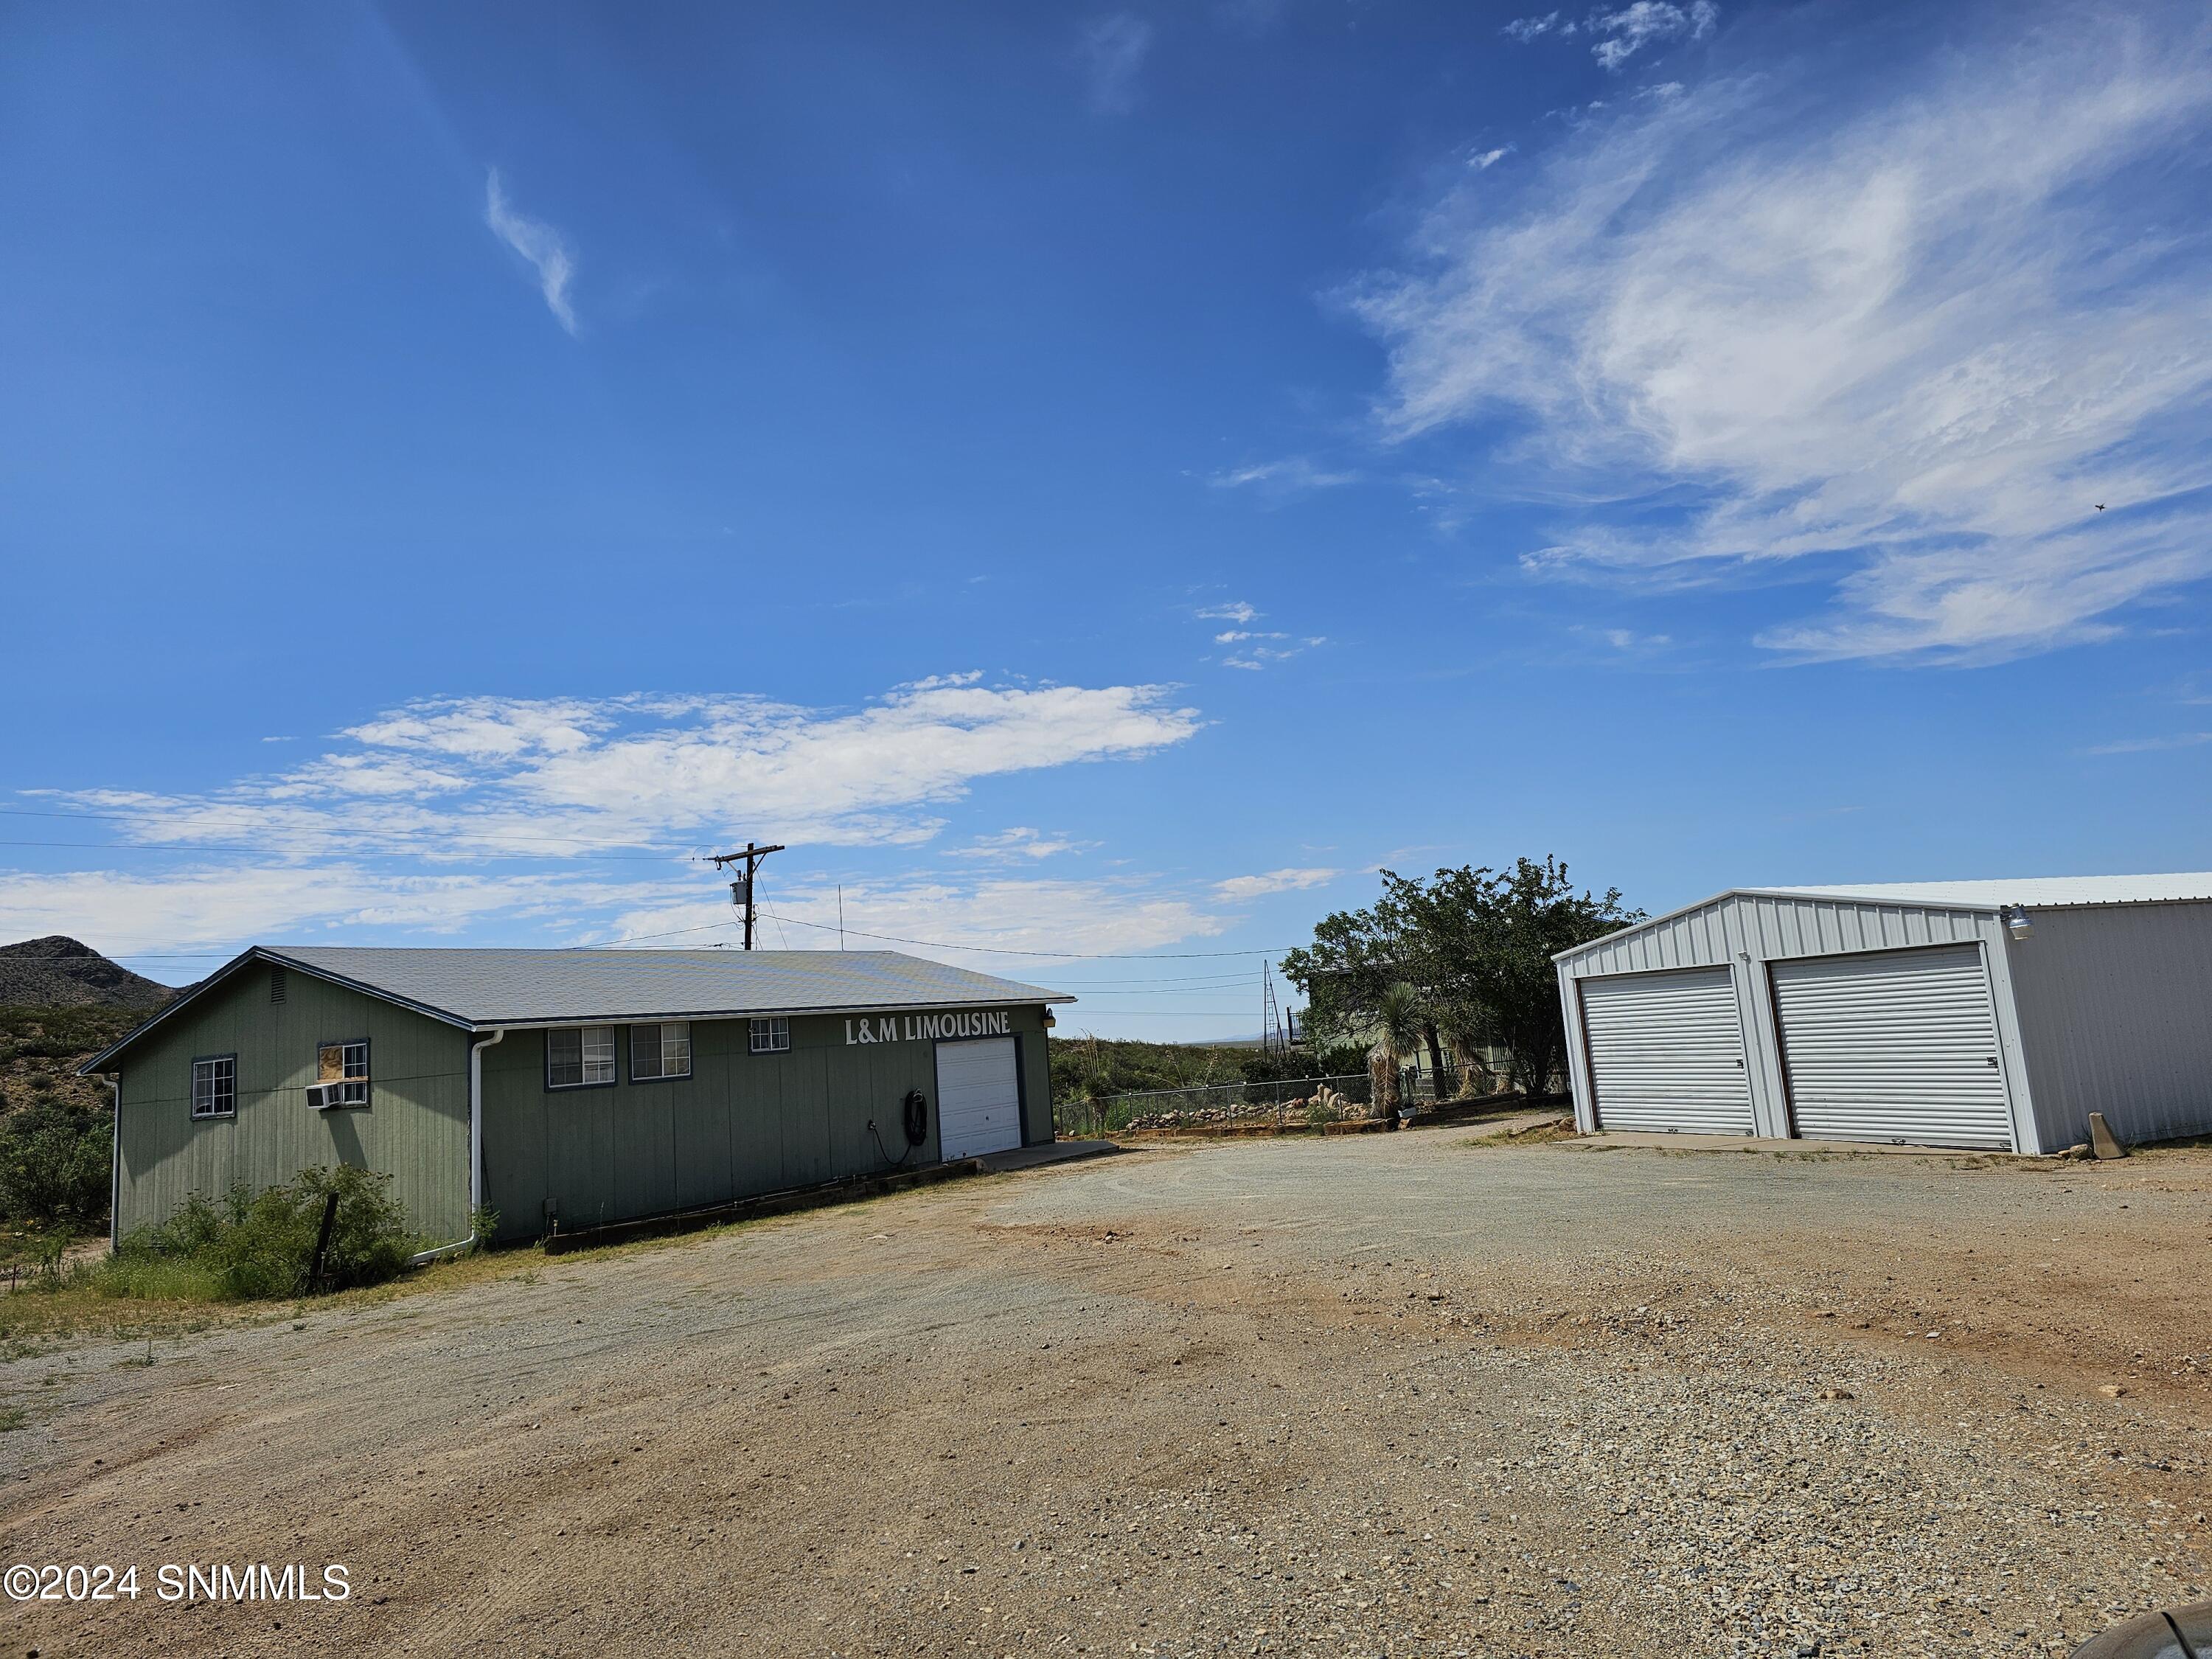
(222, 1076)
(591, 1040)
(668, 1049)
(769, 1036)
(352, 1079)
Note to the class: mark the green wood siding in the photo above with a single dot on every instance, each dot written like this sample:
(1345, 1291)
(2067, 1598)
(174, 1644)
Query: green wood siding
(741, 1124)
(415, 1128)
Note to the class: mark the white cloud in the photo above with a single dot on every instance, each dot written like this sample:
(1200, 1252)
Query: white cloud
(1000, 913)
(1923, 335)
(544, 247)
(1282, 476)
(2146, 746)
(1018, 842)
(467, 778)
(1483, 161)
(1237, 612)
(1629, 30)
(1114, 51)
(1525, 29)
(606, 796)
(128, 912)
(1238, 888)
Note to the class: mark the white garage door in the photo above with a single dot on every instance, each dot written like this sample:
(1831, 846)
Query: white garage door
(1900, 1047)
(1666, 1052)
(979, 1097)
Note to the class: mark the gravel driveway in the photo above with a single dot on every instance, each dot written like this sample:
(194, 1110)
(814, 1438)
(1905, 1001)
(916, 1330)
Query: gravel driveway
(1405, 1394)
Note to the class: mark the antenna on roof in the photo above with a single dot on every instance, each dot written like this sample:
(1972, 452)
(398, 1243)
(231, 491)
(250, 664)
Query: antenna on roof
(741, 891)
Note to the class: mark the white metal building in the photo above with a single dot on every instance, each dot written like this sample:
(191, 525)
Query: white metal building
(1964, 1013)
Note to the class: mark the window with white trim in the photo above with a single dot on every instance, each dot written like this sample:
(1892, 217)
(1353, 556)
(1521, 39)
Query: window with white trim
(659, 1051)
(771, 1037)
(579, 1056)
(214, 1086)
(341, 1074)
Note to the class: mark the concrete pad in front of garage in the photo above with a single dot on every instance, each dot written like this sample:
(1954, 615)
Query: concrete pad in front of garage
(1606, 1138)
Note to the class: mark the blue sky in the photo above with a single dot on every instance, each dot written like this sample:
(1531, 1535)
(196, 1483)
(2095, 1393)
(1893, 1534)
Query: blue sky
(1097, 481)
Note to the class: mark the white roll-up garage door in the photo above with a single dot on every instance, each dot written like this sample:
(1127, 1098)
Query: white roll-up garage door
(979, 1097)
(1666, 1052)
(1899, 1046)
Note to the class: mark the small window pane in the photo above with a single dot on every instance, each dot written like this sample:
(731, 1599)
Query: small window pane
(645, 1054)
(771, 1037)
(214, 1086)
(675, 1049)
(564, 1058)
(599, 1053)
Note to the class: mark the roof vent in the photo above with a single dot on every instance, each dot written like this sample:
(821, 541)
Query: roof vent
(276, 985)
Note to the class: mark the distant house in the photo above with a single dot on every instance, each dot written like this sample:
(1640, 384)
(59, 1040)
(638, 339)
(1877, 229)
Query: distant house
(570, 1089)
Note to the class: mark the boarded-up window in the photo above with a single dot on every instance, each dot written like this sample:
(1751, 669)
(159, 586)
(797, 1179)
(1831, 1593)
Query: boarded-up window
(659, 1051)
(579, 1056)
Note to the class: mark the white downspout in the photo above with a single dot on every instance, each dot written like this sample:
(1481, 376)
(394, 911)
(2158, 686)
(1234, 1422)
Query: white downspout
(115, 1167)
(476, 1150)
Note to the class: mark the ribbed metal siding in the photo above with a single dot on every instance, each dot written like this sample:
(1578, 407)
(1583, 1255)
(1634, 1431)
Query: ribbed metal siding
(1666, 1052)
(1899, 1048)
(2116, 1014)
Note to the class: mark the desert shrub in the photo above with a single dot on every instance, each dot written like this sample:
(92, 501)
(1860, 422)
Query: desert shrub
(54, 1163)
(249, 1245)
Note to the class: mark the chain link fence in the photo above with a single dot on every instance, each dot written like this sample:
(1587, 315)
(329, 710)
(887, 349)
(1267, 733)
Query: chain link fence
(1285, 1103)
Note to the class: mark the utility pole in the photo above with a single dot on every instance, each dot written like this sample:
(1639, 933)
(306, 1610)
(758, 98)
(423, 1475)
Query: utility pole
(741, 891)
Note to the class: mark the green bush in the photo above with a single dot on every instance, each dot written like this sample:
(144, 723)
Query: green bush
(252, 1245)
(54, 1164)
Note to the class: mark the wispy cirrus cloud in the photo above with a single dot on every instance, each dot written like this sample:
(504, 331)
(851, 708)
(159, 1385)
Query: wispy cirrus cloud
(1114, 49)
(1619, 34)
(1920, 336)
(543, 247)
(1236, 611)
(1020, 843)
(2149, 745)
(1284, 477)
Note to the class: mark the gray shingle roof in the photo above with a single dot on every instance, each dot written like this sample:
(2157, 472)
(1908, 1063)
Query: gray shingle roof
(492, 987)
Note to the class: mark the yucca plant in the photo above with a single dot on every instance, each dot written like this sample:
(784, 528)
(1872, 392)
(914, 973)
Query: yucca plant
(1397, 1026)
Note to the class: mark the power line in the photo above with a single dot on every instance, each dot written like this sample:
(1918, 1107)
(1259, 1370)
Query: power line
(1057, 956)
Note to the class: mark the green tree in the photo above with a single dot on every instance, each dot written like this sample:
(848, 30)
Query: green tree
(1475, 943)
(54, 1163)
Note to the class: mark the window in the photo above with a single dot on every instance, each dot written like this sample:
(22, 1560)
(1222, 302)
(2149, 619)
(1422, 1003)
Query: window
(771, 1037)
(214, 1086)
(579, 1056)
(341, 1075)
(659, 1051)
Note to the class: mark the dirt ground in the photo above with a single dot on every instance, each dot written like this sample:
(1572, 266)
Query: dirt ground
(1403, 1394)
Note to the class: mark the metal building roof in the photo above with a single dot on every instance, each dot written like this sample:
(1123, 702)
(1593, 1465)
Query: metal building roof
(2053, 892)
(496, 988)
(2035, 892)
(481, 988)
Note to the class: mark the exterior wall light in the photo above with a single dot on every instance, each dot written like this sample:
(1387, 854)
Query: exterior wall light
(2016, 922)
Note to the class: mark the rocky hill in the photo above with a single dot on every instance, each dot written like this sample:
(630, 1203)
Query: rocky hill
(57, 972)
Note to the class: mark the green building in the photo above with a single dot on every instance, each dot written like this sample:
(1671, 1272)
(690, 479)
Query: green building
(567, 1089)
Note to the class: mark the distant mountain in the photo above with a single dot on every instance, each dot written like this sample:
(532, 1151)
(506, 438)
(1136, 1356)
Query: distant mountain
(57, 972)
